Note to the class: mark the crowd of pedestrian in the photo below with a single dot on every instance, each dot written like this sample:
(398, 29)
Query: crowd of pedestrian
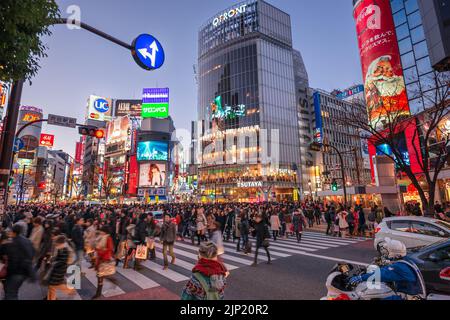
(40, 242)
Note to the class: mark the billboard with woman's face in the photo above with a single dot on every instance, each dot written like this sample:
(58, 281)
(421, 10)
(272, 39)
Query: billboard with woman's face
(152, 175)
(384, 85)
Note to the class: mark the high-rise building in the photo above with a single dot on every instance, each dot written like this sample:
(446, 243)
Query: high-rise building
(405, 42)
(436, 25)
(248, 110)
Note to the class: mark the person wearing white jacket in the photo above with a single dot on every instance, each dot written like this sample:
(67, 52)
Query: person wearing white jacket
(343, 224)
(217, 238)
(275, 225)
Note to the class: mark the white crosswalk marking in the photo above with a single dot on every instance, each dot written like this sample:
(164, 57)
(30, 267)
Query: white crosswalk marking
(137, 278)
(109, 289)
(187, 256)
(172, 275)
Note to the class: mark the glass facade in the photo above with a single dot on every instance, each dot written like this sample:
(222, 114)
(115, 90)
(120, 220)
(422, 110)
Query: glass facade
(419, 75)
(246, 82)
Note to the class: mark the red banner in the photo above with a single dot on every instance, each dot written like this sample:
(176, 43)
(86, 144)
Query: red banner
(47, 140)
(380, 59)
(133, 176)
(78, 152)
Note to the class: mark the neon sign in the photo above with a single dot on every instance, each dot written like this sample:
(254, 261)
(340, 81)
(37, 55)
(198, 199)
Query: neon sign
(226, 112)
(229, 14)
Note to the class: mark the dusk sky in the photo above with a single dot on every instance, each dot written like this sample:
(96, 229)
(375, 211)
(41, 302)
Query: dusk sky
(80, 63)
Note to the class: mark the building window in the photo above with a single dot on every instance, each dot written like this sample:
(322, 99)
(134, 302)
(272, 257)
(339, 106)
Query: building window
(399, 18)
(402, 31)
(421, 50)
(405, 45)
(411, 6)
(416, 105)
(413, 90)
(411, 75)
(408, 60)
(414, 20)
(424, 66)
(417, 34)
(396, 5)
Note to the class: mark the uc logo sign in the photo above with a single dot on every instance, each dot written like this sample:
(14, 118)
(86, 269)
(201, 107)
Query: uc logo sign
(101, 105)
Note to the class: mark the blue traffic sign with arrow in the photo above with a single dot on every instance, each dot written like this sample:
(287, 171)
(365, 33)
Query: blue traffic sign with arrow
(148, 52)
(18, 144)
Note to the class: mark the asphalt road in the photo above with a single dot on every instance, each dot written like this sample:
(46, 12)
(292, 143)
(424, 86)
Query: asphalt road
(298, 272)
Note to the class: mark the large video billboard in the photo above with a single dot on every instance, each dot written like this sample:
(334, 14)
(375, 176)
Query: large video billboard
(384, 85)
(119, 131)
(152, 175)
(152, 151)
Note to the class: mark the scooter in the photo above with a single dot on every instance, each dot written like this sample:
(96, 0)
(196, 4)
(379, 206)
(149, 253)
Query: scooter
(339, 288)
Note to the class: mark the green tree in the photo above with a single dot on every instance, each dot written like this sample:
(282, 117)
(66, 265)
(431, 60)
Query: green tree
(22, 25)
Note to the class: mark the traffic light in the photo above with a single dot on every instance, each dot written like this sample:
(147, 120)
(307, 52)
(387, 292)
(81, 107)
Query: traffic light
(334, 185)
(42, 185)
(10, 181)
(91, 132)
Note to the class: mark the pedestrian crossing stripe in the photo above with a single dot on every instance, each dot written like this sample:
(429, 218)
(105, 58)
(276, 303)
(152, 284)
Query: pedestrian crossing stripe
(187, 255)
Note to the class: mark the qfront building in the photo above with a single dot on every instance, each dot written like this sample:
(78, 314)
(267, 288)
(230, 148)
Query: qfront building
(248, 130)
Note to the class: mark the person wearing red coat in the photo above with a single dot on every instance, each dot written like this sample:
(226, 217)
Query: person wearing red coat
(105, 264)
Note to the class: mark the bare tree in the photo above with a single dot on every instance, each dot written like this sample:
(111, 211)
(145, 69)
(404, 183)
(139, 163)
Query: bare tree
(387, 120)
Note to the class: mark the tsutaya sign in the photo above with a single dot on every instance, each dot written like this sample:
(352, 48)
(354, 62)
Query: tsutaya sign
(229, 14)
(250, 184)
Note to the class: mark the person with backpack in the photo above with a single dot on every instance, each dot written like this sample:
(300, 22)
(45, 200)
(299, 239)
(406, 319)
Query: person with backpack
(208, 280)
(19, 255)
(62, 257)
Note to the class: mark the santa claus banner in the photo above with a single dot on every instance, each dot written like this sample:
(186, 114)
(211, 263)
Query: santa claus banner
(380, 59)
(47, 140)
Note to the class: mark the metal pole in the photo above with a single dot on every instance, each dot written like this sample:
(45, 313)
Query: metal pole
(9, 133)
(344, 182)
(21, 184)
(358, 175)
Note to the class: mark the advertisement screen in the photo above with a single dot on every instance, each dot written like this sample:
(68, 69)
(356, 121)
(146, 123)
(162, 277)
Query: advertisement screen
(119, 130)
(384, 83)
(99, 108)
(400, 145)
(155, 103)
(47, 140)
(128, 108)
(152, 175)
(152, 151)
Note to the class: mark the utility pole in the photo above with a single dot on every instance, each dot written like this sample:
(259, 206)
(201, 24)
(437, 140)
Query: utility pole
(358, 174)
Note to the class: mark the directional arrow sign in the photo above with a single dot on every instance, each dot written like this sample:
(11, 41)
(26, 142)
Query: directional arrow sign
(148, 52)
(18, 145)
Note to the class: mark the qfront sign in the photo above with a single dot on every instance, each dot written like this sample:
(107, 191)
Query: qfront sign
(155, 103)
(148, 52)
(235, 12)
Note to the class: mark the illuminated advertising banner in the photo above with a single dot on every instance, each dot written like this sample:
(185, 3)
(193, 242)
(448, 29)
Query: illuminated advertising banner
(318, 130)
(119, 131)
(152, 175)
(3, 97)
(133, 176)
(99, 108)
(229, 14)
(155, 103)
(131, 108)
(384, 85)
(47, 140)
(152, 151)
(78, 152)
(347, 93)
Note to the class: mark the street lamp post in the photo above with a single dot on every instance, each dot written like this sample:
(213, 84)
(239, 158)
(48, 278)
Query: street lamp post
(310, 190)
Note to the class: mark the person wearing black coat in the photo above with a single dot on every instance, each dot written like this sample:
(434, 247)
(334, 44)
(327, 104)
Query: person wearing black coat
(58, 268)
(19, 253)
(78, 240)
(261, 232)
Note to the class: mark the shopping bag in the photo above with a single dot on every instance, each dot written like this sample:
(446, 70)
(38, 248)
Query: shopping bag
(121, 250)
(150, 243)
(141, 252)
(106, 269)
